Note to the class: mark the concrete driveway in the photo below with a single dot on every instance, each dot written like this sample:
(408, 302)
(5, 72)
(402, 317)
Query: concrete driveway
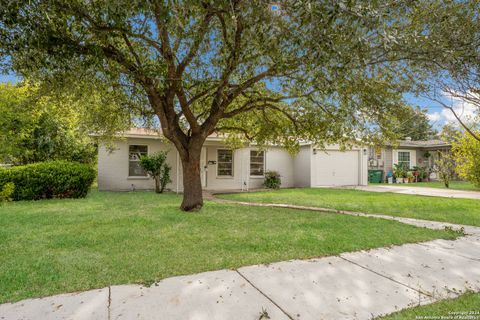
(357, 285)
(433, 192)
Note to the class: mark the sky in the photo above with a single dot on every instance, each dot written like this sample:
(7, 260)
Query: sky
(437, 114)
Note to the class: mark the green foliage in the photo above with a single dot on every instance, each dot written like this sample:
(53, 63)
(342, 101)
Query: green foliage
(413, 123)
(445, 167)
(400, 170)
(45, 180)
(35, 127)
(423, 172)
(466, 152)
(453, 80)
(451, 133)
(6, 192)
(272, 180)
(339, 67)
(157, 167)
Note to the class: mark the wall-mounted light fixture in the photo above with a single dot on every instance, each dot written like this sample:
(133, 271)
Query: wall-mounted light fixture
(314, 151)
(364, 152)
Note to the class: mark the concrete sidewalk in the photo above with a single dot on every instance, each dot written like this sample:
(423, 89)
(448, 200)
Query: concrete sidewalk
(432, 192)
(357, 285)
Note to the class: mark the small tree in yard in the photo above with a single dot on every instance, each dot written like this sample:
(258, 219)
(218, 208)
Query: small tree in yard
(445, 167)
(467, 156)
(156, 166)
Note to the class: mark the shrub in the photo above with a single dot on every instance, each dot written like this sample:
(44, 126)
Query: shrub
(156, 166)
(400, 170)
(6, 192)
(44, 180)
(467, 156)
(272, 180)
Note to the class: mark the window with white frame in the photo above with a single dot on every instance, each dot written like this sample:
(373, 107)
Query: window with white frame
(404, 159)
(225, 162)
(135, 152)
(257, 163)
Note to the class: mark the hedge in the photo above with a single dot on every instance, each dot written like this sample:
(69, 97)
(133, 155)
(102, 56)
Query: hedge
(45, 180)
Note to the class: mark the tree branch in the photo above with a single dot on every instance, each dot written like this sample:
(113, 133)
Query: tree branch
(200, 36)
(469, 130)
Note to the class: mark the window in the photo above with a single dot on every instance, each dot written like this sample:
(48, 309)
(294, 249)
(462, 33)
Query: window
(224, 162)
(404, 159)
(257, 163)
(135, 152)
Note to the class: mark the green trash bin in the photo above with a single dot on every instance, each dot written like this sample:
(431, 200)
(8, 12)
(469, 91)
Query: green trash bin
(375, 176)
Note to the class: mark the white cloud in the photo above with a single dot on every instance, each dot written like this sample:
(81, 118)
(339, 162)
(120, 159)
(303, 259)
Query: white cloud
(465, 110)
(465, 113)
(434, 116)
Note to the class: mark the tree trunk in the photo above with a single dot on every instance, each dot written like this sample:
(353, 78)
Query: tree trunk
(157, 185)
(192, 182)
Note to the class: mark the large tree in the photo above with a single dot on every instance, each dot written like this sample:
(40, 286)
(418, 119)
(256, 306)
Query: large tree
(35, 127)
(413, 123)
(323, 71)
(453, 77)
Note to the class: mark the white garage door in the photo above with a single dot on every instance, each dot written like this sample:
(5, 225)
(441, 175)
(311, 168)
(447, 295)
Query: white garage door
(335, 168)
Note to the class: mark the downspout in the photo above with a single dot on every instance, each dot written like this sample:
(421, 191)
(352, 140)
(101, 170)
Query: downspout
(242, 177)
(248, 169)
(177, 171)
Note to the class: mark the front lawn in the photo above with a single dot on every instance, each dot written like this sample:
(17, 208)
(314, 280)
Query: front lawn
(54, 246)
(462, 211)
(454, 185)
(467, 306)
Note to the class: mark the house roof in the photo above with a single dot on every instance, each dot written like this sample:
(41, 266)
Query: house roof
(155, 134)
(434, 143)
(144, 133)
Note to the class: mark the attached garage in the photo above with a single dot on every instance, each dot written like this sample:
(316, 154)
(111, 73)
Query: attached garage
(316, 167)
(336, 168)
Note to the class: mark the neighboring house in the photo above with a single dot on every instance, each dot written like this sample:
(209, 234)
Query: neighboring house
(411, 153)
(223, 168)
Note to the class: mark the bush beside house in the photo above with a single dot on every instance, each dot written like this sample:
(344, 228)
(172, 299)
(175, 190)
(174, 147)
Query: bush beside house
(272, 180)
(6, 192)
(156, 166)
(45, 180)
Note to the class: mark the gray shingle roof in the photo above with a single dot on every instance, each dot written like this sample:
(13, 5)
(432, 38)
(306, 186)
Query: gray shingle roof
(423, 143)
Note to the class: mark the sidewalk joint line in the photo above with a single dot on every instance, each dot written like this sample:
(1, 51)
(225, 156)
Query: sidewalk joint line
(391, 279)
(262, 293)
(109, 301)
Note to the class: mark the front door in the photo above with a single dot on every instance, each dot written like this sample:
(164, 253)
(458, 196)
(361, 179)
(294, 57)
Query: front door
(203, 167)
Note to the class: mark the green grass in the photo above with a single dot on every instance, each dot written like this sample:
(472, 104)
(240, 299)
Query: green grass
(454, 185)
(467, 305)
(462, 211)
(54, 246)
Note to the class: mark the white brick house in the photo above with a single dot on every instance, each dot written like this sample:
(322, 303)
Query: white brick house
(223, 169)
